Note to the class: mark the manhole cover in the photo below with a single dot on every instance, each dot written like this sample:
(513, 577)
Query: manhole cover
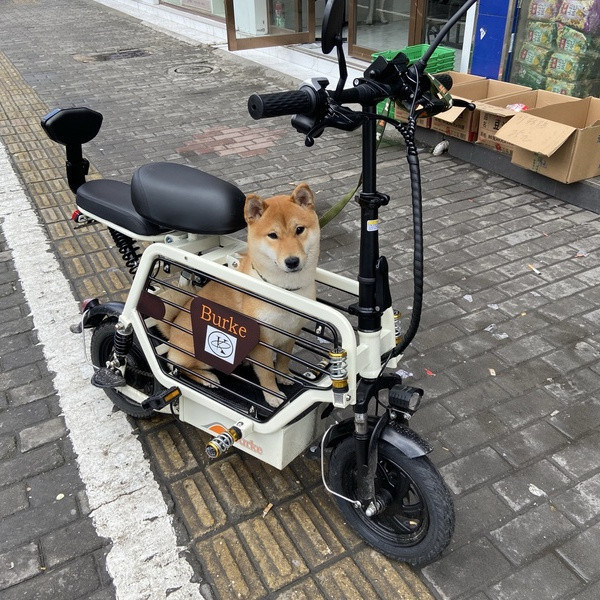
(116, 55)
(193, 69)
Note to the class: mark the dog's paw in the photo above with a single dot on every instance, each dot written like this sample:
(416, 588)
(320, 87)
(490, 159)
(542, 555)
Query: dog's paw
(282, 380)
(273, 400)
(209, 379)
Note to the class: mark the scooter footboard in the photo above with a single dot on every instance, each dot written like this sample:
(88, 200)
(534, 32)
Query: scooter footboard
(255, 363)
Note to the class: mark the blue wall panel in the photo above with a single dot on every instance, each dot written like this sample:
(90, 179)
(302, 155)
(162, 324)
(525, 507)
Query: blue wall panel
(489, 37)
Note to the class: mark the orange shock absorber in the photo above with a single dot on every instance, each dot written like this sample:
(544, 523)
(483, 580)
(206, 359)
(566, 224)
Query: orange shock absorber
(397, 326)
(222, 442)
(338, 371)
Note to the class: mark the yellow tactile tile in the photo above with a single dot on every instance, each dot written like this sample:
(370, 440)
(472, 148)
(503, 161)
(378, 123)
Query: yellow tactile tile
(308, 471)
(77, 266)
(327, 506)
(199, 506)
(313, 536)
(345, 581)
(146, 425)
(391, 579)
(278, 561)
(233, 482)
(307, 589)
(171, 451)
(229, 569)
(276, 485)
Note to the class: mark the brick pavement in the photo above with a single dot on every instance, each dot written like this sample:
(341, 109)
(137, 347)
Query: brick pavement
(508, 356)
(48, 545)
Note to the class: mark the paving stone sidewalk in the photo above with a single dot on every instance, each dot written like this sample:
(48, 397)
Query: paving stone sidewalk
(507, 350)
(48, 545)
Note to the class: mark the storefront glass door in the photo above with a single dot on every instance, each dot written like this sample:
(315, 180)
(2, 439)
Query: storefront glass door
(261, 23)
(438, 14)
(377, 25)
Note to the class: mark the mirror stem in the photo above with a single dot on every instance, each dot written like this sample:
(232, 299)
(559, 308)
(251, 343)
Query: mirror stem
(339, 44)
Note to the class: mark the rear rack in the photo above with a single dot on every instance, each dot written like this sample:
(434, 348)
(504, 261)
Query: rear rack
(240, 389)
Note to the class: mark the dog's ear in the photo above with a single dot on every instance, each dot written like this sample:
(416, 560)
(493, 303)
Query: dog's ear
(303, 196)
(254, 208)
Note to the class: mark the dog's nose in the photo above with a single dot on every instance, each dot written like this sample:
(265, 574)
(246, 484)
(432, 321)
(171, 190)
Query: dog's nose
(292, 262)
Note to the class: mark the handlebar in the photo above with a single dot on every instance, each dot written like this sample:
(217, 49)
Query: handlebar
(307, 100)
(310, 101)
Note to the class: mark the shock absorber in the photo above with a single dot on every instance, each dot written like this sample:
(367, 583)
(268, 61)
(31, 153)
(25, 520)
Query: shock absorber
(222, 442)
(397, 326)
(111, 376)
(122, 341)
(338, 371)
(128, 250)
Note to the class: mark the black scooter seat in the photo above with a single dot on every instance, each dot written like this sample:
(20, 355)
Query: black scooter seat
(110, 200)
(187, 199)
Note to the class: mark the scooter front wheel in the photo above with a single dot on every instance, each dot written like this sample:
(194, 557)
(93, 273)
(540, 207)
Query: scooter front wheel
(137, 375)
(418, 521)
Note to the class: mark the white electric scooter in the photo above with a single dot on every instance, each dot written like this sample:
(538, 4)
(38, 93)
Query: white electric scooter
(378, 471)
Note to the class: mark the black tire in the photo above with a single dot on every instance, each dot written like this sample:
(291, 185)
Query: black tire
(101, 350)
(418, 524)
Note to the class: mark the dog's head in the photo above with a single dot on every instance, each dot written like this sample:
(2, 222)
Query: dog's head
(283, 232)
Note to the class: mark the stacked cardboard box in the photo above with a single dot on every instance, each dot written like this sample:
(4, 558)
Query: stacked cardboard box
(560, 141)
(496, 113)
(463, 123)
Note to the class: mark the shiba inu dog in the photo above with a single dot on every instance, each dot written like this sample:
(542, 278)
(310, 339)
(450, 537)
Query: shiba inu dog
(283, 249)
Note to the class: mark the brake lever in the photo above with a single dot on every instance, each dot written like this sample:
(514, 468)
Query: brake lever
(315, 132)
(337, 117)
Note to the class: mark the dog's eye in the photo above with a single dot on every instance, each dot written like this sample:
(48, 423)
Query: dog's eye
(272, 235)
(300, 230)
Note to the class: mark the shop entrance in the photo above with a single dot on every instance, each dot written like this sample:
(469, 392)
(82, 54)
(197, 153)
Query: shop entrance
(373, 25)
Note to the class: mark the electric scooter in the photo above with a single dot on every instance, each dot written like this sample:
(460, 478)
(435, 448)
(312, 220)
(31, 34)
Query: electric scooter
(344, 396)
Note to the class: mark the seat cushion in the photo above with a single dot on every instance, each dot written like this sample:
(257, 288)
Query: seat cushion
(110, 200)
(187, 199)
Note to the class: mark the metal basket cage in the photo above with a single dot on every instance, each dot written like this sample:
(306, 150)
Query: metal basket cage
(240, 389)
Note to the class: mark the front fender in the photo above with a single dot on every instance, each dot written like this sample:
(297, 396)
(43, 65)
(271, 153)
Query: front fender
(410, 443)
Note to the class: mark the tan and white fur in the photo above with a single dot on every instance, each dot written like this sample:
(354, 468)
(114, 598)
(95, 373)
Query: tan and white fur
(283, 249)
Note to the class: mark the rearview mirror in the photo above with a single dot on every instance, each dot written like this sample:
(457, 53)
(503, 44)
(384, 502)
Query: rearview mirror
(333, 23)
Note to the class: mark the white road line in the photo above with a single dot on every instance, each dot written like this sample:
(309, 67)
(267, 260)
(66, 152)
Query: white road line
(127, 506)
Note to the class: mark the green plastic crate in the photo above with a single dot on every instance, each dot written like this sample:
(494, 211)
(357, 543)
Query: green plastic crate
(381, 108)
(442, 58)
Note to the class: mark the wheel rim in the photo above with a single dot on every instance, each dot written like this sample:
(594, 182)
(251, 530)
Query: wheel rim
(405, 520)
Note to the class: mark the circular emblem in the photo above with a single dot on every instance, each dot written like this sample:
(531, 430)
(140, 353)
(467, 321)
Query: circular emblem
(220, 344)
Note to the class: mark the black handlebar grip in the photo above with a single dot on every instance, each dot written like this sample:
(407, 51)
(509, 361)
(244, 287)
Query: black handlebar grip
(302, 101)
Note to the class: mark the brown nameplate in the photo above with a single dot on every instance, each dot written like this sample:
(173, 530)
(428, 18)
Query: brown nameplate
(222, 337)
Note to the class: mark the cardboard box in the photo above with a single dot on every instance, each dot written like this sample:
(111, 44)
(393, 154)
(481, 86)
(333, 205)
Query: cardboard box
(462, 123)
(494, 114)
(457, 78)
(559, 141)
(401, 114)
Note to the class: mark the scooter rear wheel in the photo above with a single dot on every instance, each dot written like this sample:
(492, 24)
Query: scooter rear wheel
(417, 524)
(101, 350)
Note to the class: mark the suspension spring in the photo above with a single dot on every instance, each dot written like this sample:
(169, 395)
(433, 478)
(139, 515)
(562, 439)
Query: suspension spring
(128, 250)
(122, 340)
(222, 442)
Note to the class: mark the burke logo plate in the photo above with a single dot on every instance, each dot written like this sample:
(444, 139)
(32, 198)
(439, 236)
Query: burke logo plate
(222, 337)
